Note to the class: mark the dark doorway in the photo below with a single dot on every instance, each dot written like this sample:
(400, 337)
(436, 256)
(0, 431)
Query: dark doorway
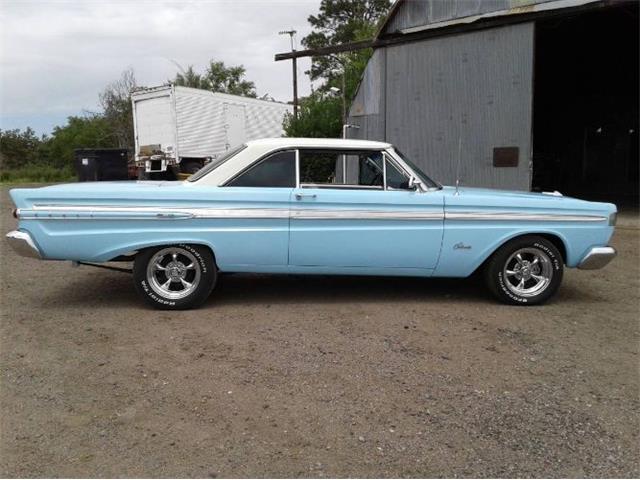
(585, 127)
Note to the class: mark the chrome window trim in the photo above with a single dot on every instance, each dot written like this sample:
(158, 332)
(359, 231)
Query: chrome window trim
(297, 168)
(339, 186)
(384, 171)
(400, 169)
(340, 151)
(263, 158)
(392, 153)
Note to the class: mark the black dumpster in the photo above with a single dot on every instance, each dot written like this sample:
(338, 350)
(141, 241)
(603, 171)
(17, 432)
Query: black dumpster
(100, 164)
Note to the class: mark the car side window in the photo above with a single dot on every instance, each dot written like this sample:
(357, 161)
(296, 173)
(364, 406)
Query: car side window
(277, 171)
(396, 179)
(341, 169)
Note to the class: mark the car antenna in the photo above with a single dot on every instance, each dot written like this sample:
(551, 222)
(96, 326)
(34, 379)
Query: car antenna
(458, 165)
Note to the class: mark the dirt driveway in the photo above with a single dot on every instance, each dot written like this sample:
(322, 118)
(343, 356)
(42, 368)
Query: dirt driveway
(318, 376)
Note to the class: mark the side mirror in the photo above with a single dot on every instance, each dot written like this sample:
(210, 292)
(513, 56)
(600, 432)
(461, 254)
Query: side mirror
(416, 184)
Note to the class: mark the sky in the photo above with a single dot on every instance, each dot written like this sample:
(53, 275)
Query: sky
(56, 56)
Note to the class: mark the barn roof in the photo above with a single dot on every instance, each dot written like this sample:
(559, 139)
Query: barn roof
(412, 16)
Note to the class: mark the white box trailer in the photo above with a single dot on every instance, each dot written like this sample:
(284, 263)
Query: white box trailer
(186, 127)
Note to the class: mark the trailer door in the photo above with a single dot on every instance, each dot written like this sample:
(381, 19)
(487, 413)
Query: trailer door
(155, 123)
(235, 126)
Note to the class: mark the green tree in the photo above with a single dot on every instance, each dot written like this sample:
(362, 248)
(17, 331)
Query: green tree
(339, 21)
(319, 116)
(190, 78)
(218, 78)
(90, 131)
(19, 148)
(229, 80)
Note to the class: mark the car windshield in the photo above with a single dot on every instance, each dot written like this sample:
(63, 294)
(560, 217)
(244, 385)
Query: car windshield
(216, 163)
(419, 173)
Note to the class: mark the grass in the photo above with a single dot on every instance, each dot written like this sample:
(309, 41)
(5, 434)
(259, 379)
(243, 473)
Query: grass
(37, 174)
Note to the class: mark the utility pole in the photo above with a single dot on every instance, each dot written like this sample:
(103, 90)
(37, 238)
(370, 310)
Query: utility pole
(294, 64)
(344, 94)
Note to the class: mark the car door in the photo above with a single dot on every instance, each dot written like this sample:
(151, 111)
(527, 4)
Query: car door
(256, 227)
(355, 209)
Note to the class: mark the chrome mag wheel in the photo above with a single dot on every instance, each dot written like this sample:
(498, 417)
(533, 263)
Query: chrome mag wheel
(173, 273)
(528, 272)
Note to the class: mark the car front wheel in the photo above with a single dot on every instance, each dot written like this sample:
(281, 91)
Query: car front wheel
(525, 271)
(175, 277)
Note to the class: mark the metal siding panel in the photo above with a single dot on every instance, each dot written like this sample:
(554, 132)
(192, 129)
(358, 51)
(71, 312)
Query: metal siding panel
(236, 124)
(202, 123)
(414, 13)
(264, 120)
(367, 108)
(371, 128)
(440, 11)
(474, 86)
(368, 97)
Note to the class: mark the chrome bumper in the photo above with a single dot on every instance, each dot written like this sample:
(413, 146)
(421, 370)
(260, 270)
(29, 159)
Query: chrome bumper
(23, 244)
(597, 257)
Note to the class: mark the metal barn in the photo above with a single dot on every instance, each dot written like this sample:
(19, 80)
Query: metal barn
(514, 94)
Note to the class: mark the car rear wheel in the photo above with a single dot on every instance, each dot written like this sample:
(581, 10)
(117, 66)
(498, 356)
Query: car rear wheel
(175, 277)
(525, 271)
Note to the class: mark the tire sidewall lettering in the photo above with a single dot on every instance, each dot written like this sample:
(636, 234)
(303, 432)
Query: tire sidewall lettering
(195, 253)
(153, 296)
(159, 299)
(499, 283)
(552, 256)
(202, 257)
(508, 292)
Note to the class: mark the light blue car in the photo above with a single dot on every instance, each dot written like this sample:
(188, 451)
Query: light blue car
(313, 206)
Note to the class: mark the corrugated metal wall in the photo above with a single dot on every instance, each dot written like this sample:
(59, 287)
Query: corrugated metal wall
(413, 13)
(203, 124)
(368, 108)
(475, 87)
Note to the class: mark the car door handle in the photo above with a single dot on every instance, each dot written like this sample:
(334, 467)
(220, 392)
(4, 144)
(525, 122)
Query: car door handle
(300, 196)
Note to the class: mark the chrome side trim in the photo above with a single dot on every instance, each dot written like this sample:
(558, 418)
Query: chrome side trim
(88, 212)
(23, 244)
(317, 214)
(523, 217)
(597, 257)
(122, 212)
(241, 213)
(105, 212)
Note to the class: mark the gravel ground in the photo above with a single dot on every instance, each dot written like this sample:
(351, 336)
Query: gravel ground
(318, 376)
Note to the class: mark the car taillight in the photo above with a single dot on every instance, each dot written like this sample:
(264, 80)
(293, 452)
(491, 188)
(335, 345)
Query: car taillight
(15, 213)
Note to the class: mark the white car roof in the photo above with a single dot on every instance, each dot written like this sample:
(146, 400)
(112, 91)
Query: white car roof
(257, 148)
(284, 142)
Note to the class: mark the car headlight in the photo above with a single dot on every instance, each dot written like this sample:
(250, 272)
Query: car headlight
(613, 218)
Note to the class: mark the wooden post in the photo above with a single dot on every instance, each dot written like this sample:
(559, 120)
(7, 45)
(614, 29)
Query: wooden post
(294, 62)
